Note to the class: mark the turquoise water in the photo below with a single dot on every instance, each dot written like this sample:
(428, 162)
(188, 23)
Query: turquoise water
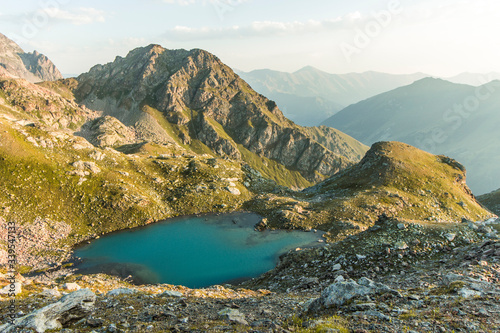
(192, 251)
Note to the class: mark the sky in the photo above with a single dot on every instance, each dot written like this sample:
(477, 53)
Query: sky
(437, 37)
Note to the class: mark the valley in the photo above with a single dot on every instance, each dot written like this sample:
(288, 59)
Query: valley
(164, 133)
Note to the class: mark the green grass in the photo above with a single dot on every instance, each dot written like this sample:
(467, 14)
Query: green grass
(295, 324)
(34, 183)
(273, 170)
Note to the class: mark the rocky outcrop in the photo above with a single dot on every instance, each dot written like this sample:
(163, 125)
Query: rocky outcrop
(341, 292)
(43, 105)
(67, 310)
(107, 132)
(393, 178)
(203, 99)
(34, 67)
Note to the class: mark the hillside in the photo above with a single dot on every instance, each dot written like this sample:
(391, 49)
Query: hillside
(309, 96)
(191, 97)
(491, 201)
(34, 67)
(438, 116)
(60, 189)
(390, 274)
(393, 179)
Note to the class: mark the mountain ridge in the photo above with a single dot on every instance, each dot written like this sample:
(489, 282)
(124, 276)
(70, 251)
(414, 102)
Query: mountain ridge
(309, 95)
(34, 67)
(433, 114)
(204, 100)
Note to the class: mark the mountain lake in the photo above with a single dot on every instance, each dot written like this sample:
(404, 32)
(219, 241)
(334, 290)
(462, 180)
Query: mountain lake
(194, 251)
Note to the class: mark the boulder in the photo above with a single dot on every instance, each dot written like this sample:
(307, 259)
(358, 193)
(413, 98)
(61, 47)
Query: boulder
(16, 287)
(233, 316)
(233, 190)
(50, 293)
(67, 310)
(339, 293)
(262, 225)
(71, 286)
(171, 293)
(121, 291)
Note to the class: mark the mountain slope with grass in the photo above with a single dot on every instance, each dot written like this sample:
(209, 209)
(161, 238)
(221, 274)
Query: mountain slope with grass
(437, 116)
(394, 179)
(491, 201)
(186, 96)
(52, 178)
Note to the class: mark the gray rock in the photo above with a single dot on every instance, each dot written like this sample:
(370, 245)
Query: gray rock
(71, 286)
(233, 315)
(233, 190)
(336, 267)
(339, 293)
(86, 166)
(171, 293)
(67, 310)
(17, 288)
(450, 237)
(121, 291)
(400, 246)
(50, 293)
(372, 313)
(466, 293)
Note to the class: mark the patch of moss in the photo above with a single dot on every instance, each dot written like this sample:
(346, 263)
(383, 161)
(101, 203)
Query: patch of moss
(452, 288)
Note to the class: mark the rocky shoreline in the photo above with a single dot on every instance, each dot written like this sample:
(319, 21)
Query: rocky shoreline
(447, 286)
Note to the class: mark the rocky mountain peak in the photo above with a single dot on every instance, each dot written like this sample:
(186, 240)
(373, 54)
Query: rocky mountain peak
(34, 67)
(8, 47)
(197, 98)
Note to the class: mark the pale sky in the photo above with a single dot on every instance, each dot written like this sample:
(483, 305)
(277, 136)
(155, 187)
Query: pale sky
(438, 37)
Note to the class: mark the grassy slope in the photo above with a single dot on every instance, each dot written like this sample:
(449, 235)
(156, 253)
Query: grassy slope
(336, 141)
(491, 201)
(130, 190)
(398, 180)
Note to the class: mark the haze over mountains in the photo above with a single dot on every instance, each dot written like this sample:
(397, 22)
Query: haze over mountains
(163, 133)
(438, 116)
(309, 96)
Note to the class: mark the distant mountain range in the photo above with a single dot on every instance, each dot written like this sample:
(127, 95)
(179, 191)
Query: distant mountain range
(309, 95)
(438, 116)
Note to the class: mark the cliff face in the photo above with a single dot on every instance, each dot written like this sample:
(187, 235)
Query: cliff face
(34, 67)
(203, 99)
